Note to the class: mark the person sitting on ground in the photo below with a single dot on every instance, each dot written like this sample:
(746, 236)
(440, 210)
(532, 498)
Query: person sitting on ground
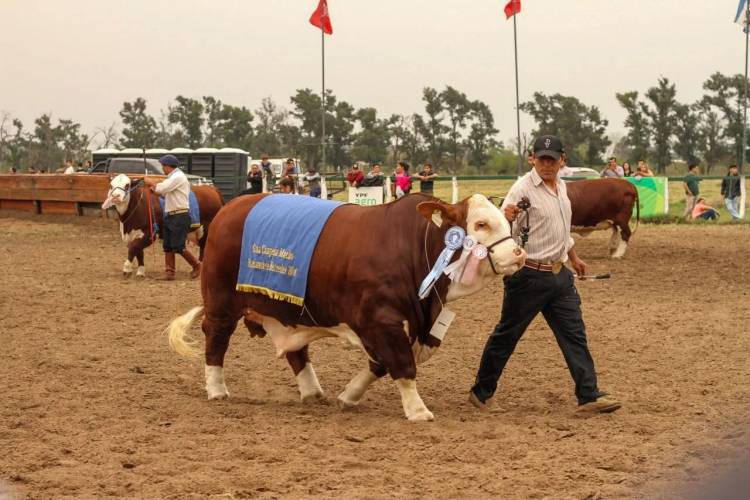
(703, 211)
(286, 185)
(643, 170)
(374, 177)
(312, 177)
(427, 179)
(355, 176)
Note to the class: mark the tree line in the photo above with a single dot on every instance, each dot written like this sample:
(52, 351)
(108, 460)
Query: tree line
(454, 132)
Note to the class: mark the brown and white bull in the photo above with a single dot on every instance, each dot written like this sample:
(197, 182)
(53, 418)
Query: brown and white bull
(133, 203)
(362, 287)
(601, 204)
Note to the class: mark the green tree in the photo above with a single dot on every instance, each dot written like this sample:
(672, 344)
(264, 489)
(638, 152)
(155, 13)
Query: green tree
(235, 128)
(711, 130)
(457, 106)
(639, 136)
(341, 127)
(413, 144)
(481, 139)
(371, 142)
(727, 93)
(581, 128)
(307, 110)
(431, 128)
(396, 126)
(139, 129)
(687, 133)
(662, 120)
(271, 120)
(187, 116)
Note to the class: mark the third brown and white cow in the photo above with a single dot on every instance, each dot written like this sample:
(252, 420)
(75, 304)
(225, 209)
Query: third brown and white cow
(362, 287)
(600, 204)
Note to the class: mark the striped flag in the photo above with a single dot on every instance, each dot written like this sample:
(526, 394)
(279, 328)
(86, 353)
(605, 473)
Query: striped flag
(741, 17)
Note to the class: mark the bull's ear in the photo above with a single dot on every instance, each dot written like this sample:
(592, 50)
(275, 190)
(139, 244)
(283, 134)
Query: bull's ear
(439, 212)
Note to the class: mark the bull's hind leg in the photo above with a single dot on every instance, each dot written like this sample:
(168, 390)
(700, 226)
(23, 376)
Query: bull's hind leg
(218, 331)
(613, 241)
(309, 387)
(622, 242)
(356, 388)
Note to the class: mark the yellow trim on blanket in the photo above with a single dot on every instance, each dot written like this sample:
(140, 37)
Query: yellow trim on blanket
(299, 301)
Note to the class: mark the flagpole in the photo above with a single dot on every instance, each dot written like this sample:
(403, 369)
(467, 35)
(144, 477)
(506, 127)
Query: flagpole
(744, 99)
(323, 94)
(518, 110)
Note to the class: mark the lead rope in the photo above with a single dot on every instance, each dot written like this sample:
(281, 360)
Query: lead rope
(524, 205)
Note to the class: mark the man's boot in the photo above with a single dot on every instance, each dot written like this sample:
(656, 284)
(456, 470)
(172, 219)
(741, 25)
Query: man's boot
(169, 264)
(196, 265)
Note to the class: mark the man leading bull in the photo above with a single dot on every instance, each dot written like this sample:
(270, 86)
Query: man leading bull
(176, 191)
(544, 285)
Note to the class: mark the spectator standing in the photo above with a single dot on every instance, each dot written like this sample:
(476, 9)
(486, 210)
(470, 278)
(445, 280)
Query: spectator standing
(374, 177)
(87, 165)
(626, 171)
(286, 185)
(731, 191)
(692, 190)
(255, 179)
(427, 179)
(290, 169)
(13, 170)
(402, 179)
(313, 181)
(613, 169)
(69, 168)
(267, 169)
(643, 170)
(703, 211)
(355, 176)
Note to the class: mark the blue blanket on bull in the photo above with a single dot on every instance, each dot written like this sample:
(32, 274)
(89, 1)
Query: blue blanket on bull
(193, 209)
(278, 241)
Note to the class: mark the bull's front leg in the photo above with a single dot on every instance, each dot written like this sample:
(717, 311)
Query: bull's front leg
(392, 349)
(307, 381)
(138, 246)
(355, 389)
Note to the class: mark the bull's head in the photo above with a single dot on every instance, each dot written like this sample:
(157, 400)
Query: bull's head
(488, 226)
(119, 193)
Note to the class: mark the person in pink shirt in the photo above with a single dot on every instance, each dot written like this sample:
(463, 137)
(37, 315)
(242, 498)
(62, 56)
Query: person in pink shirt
(402, 179)
(703, 211)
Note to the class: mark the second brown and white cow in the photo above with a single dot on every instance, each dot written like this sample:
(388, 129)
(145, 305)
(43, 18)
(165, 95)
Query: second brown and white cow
(362, 287)
(601, 204)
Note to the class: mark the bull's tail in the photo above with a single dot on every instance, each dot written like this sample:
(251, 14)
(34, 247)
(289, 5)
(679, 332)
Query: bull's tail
(637, 212)
(177, 333)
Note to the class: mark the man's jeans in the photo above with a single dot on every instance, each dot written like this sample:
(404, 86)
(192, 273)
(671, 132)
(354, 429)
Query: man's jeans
(732, 205)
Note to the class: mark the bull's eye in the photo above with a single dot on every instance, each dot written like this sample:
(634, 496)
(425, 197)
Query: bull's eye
(481, 226)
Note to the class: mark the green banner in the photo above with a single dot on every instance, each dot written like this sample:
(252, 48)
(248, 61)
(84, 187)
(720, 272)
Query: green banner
(652, 193)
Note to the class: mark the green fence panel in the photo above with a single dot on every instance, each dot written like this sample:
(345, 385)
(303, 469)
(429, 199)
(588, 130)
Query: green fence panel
(652, 195)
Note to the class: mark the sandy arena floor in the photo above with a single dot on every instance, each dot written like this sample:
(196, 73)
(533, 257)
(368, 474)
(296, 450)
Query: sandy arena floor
(95, 405)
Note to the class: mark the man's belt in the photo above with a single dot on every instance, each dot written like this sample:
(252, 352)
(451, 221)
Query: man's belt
(179, 211)
(553, 268)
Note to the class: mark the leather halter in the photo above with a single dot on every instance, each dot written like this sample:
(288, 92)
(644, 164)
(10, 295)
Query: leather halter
(489, 249)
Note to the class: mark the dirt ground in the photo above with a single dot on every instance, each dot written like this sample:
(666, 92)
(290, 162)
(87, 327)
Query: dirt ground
(94, 403)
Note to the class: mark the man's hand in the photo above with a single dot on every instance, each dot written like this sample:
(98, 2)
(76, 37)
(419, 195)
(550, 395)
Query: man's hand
(578, 265)
(511, 212)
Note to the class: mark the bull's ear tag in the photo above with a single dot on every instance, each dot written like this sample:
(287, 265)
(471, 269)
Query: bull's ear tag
(442, 323)
(437, 218)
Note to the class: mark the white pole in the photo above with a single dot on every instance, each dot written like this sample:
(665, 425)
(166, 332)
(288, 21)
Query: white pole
(454, 185)
(743, 192)
(388, 193)
(323, 188)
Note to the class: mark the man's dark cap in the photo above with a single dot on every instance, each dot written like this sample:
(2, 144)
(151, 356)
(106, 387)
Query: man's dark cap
(169, 160)
(548, 145)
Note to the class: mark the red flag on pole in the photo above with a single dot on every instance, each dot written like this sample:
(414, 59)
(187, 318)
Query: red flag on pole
(321, 19)
(511, 9)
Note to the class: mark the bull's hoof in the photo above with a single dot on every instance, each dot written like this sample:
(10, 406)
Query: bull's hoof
(218, 394)
(126, 275)
(421, 416)
(345, 404)
(315, 397)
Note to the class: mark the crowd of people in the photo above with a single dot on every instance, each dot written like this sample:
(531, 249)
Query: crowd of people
(614, 170)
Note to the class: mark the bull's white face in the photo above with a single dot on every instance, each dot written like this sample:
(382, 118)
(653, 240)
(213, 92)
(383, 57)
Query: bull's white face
(118, 195)
(487, 224)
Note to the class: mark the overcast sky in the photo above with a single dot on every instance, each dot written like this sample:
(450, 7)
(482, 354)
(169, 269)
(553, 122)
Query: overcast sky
(80, 59)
